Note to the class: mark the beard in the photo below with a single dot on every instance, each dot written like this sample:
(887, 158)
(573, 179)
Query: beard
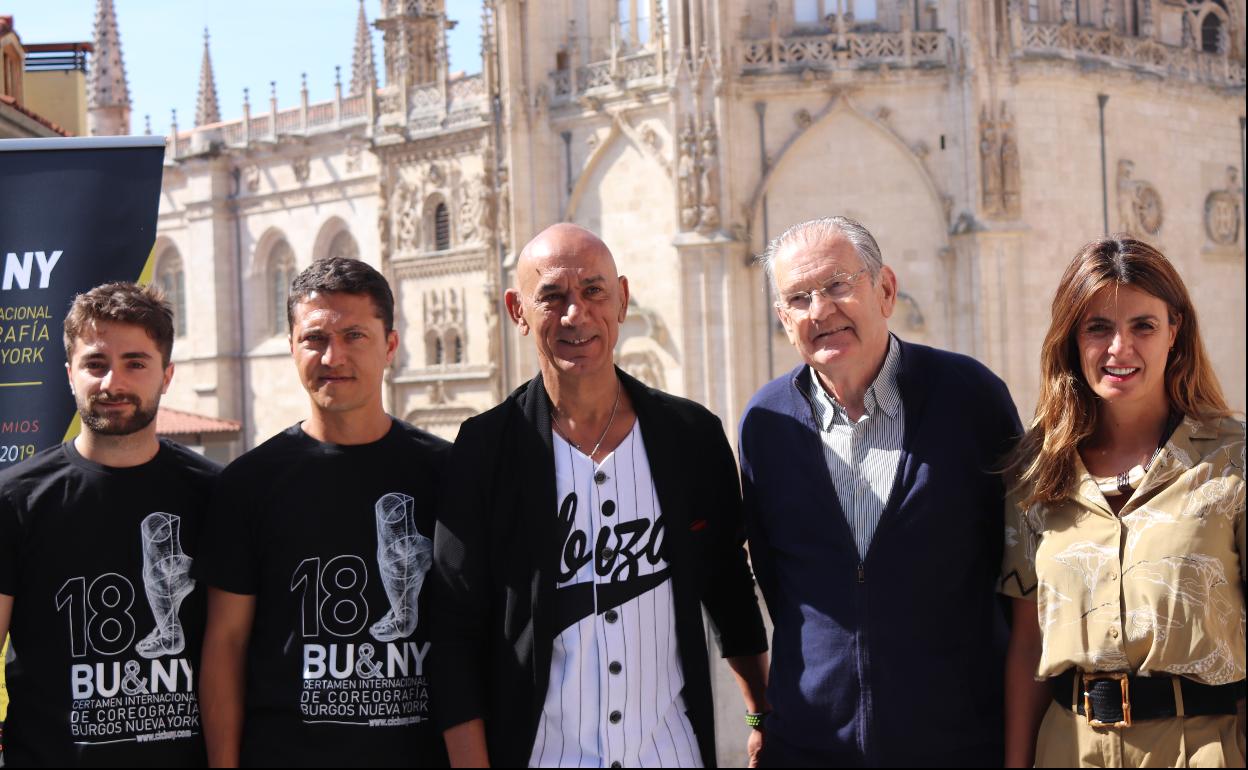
(117, 425)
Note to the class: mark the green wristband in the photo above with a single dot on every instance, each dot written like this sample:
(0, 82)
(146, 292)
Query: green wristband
(755, 721)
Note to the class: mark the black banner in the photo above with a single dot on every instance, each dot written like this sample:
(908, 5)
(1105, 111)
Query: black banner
(74, 213)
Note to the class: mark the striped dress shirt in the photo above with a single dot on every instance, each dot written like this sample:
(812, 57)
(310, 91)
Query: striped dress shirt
(863, 455)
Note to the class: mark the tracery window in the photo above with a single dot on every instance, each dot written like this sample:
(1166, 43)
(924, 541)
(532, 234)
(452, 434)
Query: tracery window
(281, 272)
(441, 227)
(171, 279)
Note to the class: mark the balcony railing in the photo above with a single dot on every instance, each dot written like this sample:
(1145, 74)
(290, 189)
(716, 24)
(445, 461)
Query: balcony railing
(850, 50)
(1070, 41)
(621, 72)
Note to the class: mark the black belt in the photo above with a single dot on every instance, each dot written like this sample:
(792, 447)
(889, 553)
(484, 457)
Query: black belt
(1116, 699)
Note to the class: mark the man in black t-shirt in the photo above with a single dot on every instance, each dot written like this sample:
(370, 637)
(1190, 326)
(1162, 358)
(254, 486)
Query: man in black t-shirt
(97, 537)
(317, 650)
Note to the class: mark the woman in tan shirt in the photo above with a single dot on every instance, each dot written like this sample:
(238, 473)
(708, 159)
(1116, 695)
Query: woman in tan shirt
(1125, 533)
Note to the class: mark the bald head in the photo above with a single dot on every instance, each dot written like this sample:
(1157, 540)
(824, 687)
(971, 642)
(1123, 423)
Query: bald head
(563, 245)
(571, 298)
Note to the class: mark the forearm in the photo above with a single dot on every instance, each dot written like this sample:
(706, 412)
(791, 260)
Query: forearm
(465, 744)
(1025, 699)
(750, 672)
(221, 687)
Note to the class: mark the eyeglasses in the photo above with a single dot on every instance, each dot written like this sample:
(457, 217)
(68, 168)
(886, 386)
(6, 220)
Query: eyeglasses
(838, 288)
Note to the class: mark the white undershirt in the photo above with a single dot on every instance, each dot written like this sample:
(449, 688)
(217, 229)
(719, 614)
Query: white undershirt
(615, 677)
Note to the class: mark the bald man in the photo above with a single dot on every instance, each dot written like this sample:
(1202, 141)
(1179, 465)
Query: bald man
(590, 520)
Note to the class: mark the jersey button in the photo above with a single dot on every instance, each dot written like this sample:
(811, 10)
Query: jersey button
(611, 616)
(600, 477)
(615, 717)
(608, 507)
(615, 667)
(607, 554)
(616, 764)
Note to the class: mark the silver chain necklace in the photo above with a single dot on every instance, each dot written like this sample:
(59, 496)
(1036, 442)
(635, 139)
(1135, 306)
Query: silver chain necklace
(568, 434)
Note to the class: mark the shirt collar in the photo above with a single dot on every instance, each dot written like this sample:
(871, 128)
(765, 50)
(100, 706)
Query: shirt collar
(883, 393)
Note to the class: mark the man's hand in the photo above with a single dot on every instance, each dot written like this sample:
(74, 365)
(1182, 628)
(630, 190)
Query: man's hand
(754, 746)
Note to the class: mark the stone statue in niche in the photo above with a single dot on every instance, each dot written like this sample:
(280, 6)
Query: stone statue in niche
(1222, 212)
(470, 208)
(1139, 203)
(503, 217)
(407, 219)
(302, 167)
(1011, 184)
(251, 177)
(687, 177)
(990, 164)
(708, 188)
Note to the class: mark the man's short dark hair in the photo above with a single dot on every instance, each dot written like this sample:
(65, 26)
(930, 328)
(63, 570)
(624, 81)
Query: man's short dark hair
(345, 276)
(126, 303)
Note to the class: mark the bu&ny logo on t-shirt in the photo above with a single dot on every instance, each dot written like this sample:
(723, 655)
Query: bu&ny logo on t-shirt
(360, 682)
(146, 692)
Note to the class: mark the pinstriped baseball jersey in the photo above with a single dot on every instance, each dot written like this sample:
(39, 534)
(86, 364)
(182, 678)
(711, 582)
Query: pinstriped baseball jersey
(615, 679)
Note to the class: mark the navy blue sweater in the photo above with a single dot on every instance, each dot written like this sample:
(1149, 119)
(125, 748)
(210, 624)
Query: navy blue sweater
(895, 659)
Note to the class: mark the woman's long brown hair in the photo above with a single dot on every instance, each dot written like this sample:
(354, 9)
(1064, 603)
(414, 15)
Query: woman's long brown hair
(1067, 411)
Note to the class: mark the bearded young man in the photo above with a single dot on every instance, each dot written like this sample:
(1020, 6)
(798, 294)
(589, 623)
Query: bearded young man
(97, 536)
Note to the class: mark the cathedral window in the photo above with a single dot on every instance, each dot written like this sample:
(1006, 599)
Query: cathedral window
(441, 227)
(454, 347)
(816, 11)
(1211, 34)
(343, 246)
(171, 279)
(281, 273)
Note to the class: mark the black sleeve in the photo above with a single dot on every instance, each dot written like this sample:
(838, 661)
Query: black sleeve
(730, 600)
(461, 587)
(10, 546)
(228, 558)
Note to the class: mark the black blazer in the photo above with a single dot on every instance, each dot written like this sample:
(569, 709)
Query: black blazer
(497, 551)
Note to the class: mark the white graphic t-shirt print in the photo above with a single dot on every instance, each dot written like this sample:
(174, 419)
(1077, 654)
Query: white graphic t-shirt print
(120, 697)
(348, 679)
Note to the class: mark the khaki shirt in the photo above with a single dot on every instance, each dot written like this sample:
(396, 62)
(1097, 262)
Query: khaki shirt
(1158, 588)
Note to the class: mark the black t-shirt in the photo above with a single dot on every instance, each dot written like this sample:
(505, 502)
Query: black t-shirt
(107, 618)
(334, 542)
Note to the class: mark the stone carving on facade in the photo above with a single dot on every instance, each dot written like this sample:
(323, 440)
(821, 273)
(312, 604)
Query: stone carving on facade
(302, 167)
(708, 187)
(1011, 172)
(502, 212)
(591, 141)
(687, 177)
(476, 210)
(444, 321)
(1222, 211)
(1068, 11)
(1139, 203)
(251, 177)
(999, 164)
(645, 366)
(652, 140)
(406, 218)
(803, 119)
(990, 166)
(354, 156)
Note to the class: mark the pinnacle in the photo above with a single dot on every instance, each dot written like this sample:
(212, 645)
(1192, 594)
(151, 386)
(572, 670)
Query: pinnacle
(206, 109)
(363, 70)
(106, 79)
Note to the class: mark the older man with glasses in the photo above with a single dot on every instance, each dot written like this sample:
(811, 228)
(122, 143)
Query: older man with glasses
(874, 519)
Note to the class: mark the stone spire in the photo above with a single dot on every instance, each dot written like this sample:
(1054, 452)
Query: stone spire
(363, 70)
(206, 110)
(108, 98)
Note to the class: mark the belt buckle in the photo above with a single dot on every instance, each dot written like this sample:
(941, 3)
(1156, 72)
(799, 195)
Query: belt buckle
(1121, 676)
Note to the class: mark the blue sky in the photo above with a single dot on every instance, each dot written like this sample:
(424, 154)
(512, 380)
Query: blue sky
(253, 42)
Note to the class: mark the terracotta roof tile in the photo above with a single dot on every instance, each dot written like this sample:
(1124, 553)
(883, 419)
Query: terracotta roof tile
(12, 102)
(172, 422)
